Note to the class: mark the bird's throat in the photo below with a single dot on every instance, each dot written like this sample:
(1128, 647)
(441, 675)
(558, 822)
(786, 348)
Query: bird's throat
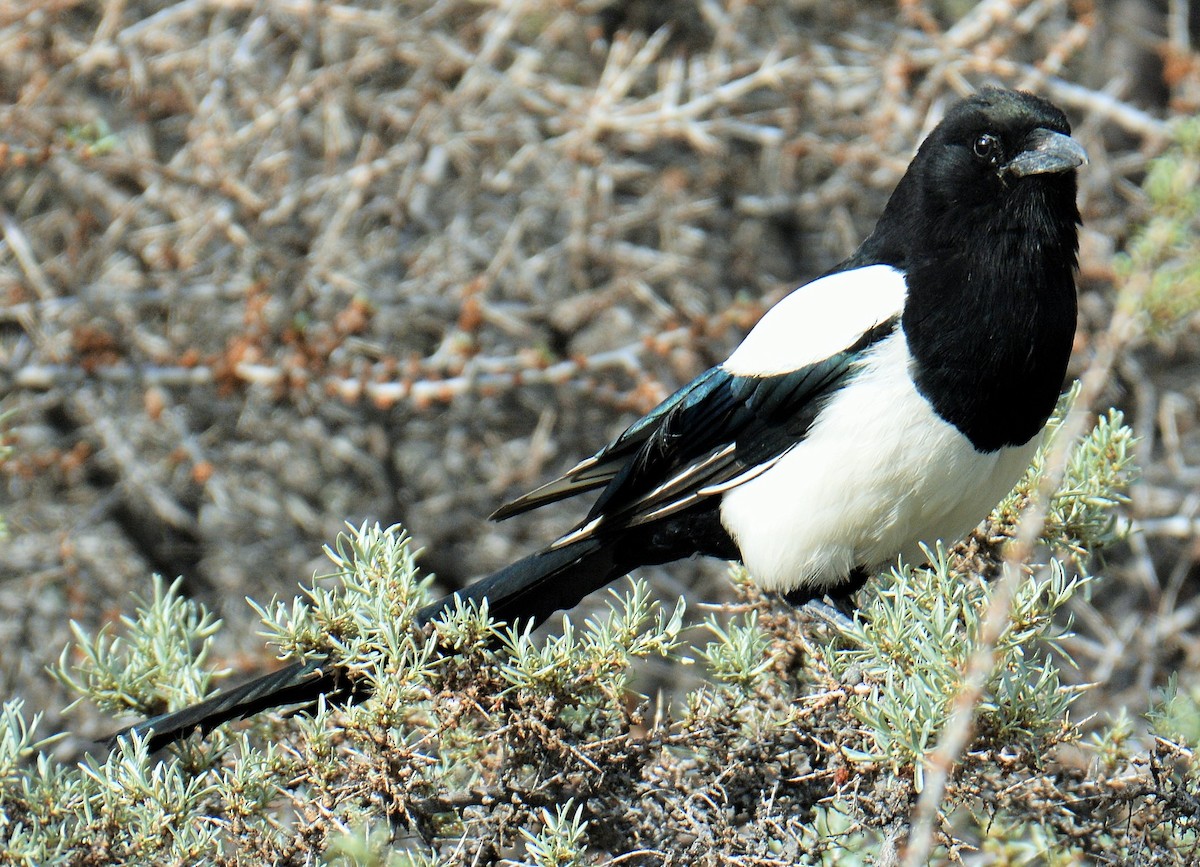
(990, 334)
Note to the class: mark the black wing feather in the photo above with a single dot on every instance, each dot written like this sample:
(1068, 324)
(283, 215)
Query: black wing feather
(600, 469)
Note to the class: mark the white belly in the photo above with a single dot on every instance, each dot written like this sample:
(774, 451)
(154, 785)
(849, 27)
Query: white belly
(879, 473)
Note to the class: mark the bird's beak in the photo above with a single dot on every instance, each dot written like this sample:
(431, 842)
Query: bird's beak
(1047, 152)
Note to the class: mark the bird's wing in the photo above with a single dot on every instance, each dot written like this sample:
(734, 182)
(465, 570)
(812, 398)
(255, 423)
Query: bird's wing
(600, 469)
(734, 421)
(743, 426)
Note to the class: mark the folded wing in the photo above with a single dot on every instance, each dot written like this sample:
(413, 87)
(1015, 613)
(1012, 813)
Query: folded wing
(734, 421)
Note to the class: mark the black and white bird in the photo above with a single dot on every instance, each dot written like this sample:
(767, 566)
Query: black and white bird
(893, 401)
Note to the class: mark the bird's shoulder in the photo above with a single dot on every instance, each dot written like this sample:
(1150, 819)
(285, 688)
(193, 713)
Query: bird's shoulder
(819, 320)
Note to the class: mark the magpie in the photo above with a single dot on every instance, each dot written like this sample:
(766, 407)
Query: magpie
(892, 401)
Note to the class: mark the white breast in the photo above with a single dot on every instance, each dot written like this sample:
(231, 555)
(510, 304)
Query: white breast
(878, 473)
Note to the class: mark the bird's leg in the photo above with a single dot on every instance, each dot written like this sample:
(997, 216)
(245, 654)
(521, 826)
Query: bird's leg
(842, 596)
(837, 607)
(833, 615)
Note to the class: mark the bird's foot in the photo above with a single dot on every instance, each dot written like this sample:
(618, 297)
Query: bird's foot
(836, 613)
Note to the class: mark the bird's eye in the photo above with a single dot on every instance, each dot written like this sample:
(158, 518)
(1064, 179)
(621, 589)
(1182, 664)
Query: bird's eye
(987, 147)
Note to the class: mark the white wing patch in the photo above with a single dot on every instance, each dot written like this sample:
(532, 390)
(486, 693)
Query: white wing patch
(819, 319)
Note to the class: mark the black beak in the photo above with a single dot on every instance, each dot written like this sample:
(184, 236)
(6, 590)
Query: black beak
(1047, 152)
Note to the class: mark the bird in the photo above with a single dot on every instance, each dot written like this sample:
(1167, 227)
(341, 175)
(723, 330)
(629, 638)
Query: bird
(892, 401)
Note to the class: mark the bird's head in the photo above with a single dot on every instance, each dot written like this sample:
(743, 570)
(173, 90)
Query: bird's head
(1000, 162)
(995, 140)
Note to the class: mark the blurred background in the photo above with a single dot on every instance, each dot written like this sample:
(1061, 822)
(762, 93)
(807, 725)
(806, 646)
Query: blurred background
(269, 267)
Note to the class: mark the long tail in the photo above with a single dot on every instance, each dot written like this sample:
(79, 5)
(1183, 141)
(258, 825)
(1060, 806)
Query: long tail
(531, 589)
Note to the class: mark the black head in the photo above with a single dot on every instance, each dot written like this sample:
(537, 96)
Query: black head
(984, 225)
(996, 145)
(1000, 160)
